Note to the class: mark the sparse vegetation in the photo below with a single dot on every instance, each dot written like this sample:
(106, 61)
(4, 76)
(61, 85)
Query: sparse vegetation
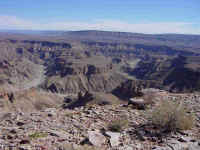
(39, 105)
(172, 116)
(118, 125)
(37, 135)
(149, 98)
(71, 114)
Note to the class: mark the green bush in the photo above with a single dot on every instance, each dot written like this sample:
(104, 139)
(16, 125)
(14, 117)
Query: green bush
(172, 116)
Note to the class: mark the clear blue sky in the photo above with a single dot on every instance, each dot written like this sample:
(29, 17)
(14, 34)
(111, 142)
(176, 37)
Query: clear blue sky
(87, 11)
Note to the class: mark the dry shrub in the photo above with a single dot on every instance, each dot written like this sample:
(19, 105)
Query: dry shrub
(40, 105)
(37, 135)
(118, 125)
(171, 116)
(149, 98)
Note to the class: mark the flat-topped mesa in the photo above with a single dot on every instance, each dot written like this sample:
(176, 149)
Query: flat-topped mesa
(47, 44)
(85, 66)
(87, 69)
(44, 49)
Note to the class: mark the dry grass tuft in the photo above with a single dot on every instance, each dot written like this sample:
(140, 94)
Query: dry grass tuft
(118, 125)
(171, 116)
(37, 135)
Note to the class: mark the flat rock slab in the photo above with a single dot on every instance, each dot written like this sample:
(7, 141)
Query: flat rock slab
(136, 101)
(126, 147)
(114, 138)
(96, 138)
(139, 103)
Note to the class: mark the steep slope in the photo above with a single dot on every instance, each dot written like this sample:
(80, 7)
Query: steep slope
(82, 74)
(179, 74)
(18, 71)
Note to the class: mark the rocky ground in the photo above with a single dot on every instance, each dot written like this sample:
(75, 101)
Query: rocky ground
(88, 128)
(69, 92)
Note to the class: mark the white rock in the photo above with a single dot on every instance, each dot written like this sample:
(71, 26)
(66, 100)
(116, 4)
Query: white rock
(96, 138)
(114, 138)
(126, 147)
(194, 147)
(162, 148)
(25, 147)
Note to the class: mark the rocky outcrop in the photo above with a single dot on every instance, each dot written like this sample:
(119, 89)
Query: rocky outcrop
(133, 88)
(20, 73)
(137, 103)
(75, 83)
(90, 99)
(114, 138)
(82, 100)
(86, 66)
(179, 74)
(86, 74)
(85, 70)
(87, 128)
(96, 138)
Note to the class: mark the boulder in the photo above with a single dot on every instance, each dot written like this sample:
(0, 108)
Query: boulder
(25, 147)
(96, 138)
(138, 103)
(114, 138)
(126, 147)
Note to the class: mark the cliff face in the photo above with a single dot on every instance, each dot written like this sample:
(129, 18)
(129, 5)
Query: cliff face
(74, 77)
(18, 71)
(100, 61)
(65, 68)
(179, 74)
(74, 84)
(68, 69)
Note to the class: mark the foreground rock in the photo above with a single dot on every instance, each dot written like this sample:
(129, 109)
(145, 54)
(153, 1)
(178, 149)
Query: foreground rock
(137, 103)
(96, 138)
(114, 138)
(87, 126)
